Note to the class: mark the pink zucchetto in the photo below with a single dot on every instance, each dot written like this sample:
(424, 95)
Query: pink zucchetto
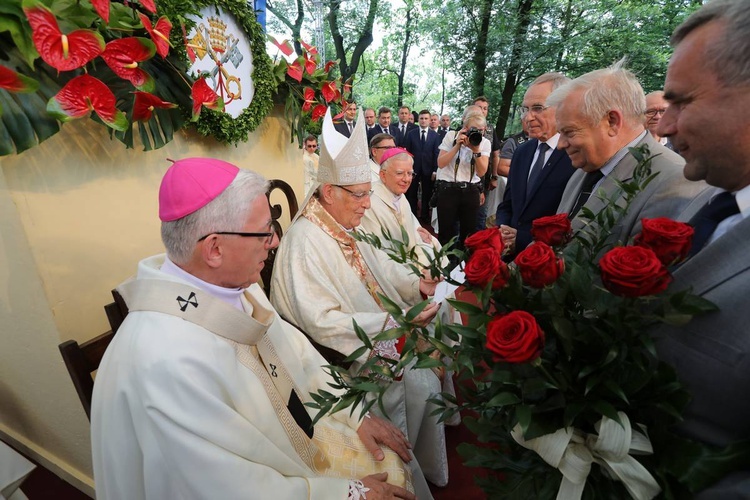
(391, 152)
(191, 183)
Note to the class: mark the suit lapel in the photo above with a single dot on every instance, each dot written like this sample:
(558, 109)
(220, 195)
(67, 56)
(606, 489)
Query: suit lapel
(718, 262)
(525, 164)
(557, 154)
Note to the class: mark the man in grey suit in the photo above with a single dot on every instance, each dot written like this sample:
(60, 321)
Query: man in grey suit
(708, 120)
(599, 116)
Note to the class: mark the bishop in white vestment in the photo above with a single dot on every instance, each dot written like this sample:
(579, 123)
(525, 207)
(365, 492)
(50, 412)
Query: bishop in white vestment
(324, 280)
(201, 393)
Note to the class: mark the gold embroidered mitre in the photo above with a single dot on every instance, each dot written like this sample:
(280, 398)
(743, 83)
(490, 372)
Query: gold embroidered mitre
(343, 161)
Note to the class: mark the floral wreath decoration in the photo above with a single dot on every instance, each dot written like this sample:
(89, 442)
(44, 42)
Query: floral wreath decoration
(213, 121)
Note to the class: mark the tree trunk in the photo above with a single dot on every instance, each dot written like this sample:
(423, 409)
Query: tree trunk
(296, 26)
(404, 55)
(349, 68)
(480, 54)
(512, 75)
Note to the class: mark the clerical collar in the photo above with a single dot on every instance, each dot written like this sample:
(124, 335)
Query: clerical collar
(231, 296)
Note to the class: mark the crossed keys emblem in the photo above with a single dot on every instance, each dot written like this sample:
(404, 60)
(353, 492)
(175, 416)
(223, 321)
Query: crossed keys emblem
(191, 300)
(273, 369)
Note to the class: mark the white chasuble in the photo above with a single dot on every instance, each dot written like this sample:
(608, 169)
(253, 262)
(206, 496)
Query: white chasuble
(315, 287)
(180, 411)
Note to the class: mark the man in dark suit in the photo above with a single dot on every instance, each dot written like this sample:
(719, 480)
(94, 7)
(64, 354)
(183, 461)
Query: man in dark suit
(403, 126)
(708, 121)
(371, 127)
(384, 125)
(346, 126)
(445, 126)
(422, 142)
(539, 171)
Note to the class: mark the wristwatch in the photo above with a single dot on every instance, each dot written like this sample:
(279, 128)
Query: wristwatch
(476, 155)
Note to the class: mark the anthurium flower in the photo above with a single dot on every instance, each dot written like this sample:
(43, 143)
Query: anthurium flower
(285, 47)
(149, 5)
(188, 48)
(62, 52)
(312, 50)
(16, 82)
(123, 56)
(309, 99)
(319, 112)
(310, 64)
(203, 95)
(145, 104)
(159, 34)
(329, 65)
(295, 71)
(84, 94)
(330, 91)
(102, 8)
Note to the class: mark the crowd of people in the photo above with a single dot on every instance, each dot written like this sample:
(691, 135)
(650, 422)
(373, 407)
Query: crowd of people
(202, 392)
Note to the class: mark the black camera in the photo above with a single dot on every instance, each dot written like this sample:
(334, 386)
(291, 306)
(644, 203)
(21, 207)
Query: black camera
(474, 136)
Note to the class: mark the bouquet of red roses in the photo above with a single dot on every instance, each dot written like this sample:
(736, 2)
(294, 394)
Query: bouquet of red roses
(555, 366)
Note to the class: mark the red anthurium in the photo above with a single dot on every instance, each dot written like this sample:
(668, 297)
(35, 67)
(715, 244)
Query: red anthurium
(330, 92)
(310, 64)
(145, 104)
(16, 82)
(149, 5)
(285, 47)
(295, 71)
(123, 56)
(203, 95)
(159, 33)
(309, 99)
(84, 94)
(62, 52)
(329, 65)
(102, 8)
(312, 50)
(319, 112)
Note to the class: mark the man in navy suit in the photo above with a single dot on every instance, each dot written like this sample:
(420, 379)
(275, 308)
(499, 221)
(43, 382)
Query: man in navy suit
(539, 171)
(346, 126)
(422, 142)
(403, 126)
(384, 124)
(445, 126)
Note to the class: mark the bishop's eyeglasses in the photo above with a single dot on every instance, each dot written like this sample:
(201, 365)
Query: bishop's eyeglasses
(268, 236)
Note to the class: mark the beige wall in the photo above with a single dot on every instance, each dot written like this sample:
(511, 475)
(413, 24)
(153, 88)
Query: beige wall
(76, 214)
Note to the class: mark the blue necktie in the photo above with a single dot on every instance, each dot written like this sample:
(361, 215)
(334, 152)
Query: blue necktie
(536, 170)
(705, 221)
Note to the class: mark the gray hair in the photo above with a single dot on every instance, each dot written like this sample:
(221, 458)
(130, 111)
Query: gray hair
(604, 90)
(227, 212)
(729, 55)
(557, 80)
(398, 157)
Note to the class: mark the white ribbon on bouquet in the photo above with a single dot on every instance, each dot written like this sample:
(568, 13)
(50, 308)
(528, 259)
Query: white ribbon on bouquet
(573, 451)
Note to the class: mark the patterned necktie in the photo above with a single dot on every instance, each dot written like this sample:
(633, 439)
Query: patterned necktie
(423, 136)
(536, 170)
(705, 221)
(588, 186)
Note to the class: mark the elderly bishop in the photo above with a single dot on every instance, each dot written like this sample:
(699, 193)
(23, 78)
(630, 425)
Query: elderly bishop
(324, 281)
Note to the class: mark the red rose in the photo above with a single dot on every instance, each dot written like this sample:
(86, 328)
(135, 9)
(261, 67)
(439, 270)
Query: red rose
(633, 272)
(485, 238)
(515, 337)
(553, 230)
(670, 240)
(485, 265)
(539, 265)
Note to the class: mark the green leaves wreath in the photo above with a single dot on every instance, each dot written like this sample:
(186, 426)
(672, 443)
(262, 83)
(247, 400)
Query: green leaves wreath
(217, 123)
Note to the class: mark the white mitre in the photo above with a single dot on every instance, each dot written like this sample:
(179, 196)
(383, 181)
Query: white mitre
(343, 161)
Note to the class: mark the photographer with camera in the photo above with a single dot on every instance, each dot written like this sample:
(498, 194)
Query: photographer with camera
(463, 160)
